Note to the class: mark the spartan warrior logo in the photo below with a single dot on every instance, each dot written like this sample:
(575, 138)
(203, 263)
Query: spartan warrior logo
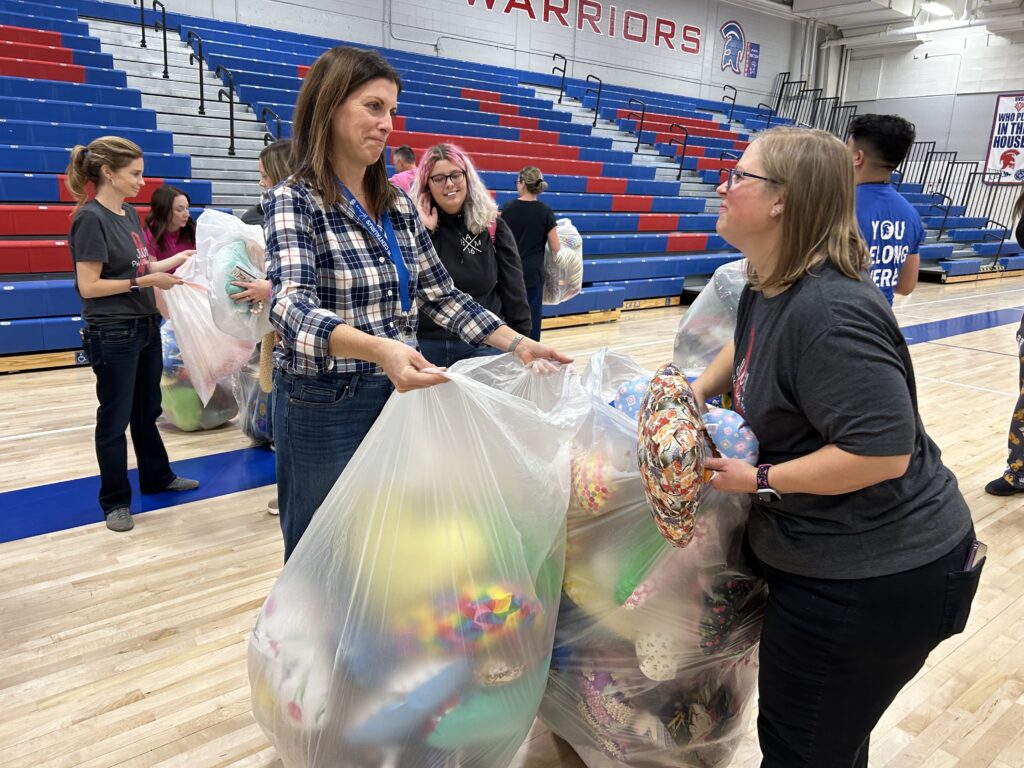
(1008, 160)
(734, 46)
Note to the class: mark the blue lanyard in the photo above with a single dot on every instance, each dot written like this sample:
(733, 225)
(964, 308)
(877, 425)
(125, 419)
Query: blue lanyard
(384, 234)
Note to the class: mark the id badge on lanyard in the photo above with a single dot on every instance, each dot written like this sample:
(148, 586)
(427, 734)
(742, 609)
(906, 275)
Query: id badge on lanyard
(384, 234)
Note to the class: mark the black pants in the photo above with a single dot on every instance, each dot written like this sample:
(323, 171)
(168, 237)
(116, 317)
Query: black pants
(834, 654)
(127, 360)
(535, 298)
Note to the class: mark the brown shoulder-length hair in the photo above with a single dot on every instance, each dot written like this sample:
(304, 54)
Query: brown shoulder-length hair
(161, 208)
(329, 82)
(816, 172)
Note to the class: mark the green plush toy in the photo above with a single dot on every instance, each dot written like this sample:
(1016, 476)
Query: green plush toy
(646, 550)
(238, 268)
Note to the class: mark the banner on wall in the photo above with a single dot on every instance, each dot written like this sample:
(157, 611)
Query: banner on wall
(1006, 144)
(738, 54)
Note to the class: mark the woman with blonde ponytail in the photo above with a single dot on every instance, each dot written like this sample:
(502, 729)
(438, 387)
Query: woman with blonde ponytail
(116, 280)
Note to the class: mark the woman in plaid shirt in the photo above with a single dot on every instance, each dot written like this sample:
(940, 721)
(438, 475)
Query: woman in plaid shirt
(351, 268)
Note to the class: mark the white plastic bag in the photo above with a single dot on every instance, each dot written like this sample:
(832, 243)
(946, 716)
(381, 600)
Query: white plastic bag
(655, 650)
(178, 398)
(255, 418)
(563, 272)
(710, 322)
(413, 624)
(209, 354)
(228, 250)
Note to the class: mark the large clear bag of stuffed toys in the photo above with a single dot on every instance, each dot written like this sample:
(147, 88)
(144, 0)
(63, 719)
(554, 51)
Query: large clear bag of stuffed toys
(413, 625)
(655, 653)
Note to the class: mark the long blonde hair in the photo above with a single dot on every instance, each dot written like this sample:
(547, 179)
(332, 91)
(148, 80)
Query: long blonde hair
(819, 222)
(86, 164)
(479, 211)
(330, 81)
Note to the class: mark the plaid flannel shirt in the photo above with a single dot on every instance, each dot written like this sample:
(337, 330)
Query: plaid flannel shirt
(325, 270)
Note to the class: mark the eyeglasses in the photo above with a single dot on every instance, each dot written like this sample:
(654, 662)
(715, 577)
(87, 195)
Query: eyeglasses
(441, 179)
(735, 173)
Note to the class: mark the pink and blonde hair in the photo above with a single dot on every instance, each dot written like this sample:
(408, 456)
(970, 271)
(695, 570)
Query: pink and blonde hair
(479, 211)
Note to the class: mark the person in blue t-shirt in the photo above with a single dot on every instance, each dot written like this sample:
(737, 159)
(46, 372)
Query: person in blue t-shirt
(890, 225)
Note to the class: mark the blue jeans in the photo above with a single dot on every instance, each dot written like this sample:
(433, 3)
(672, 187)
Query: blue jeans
(535, 298)
(319, 421)
(127, 360)
(444, 353)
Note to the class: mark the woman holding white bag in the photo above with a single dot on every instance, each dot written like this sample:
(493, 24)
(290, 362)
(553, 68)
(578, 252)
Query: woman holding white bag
(351, 267)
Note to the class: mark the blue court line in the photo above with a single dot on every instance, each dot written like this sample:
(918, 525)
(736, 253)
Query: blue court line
(71, 503)
(956, 326)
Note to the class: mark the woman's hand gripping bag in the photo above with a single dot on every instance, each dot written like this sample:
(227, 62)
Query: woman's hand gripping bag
(654, 644)
(563, 271)
(229, 251)
(209, 354)
(421, 602)
(709, 323)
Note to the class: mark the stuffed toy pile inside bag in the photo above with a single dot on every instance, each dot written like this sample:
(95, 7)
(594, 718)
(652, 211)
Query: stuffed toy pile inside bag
(655, 659)
(413, 625)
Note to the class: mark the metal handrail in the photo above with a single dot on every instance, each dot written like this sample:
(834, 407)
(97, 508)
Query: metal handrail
(222, 71)
(730, 99)
(142, 20)
(560, 70)
(277, 121)
(994, 265)
(771, 113)
(684, 144)
(600, 88)
(192, 59)
(943, 209)
(162, 25)
(643, 118)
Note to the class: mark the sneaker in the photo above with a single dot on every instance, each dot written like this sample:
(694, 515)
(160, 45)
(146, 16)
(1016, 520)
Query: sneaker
(182, 484)
(272, 507)
(120, 519)
(1001, 487)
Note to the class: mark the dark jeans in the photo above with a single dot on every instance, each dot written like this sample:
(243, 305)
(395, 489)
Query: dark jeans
(444, 353)
(319, 421)
(127, 360)
(1014, 474)
(834, 654)
(535, 298)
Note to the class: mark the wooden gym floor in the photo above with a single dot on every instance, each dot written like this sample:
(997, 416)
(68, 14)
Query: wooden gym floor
(129, 649)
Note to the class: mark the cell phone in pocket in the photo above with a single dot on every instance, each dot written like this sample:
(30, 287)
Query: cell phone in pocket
(975, 555)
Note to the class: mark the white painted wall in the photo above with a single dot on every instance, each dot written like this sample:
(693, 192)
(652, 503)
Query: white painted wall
(457, 29)
(947, 87)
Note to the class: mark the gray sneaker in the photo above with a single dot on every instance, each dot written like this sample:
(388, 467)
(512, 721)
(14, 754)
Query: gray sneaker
(120, 519)
(182, 484)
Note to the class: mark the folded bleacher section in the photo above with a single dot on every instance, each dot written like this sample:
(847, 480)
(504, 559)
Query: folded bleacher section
(57, 89)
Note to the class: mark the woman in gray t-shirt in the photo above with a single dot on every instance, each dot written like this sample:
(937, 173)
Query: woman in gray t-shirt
(863, 537)
(116, 280)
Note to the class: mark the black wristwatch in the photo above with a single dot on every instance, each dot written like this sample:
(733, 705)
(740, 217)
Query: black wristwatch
(133, 286)
(765, 493)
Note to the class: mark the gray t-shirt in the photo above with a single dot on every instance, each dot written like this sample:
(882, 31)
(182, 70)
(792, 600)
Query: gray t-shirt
(825, 363)
(99, 234)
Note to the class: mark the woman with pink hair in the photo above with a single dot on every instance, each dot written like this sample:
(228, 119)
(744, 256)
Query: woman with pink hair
(474, 244)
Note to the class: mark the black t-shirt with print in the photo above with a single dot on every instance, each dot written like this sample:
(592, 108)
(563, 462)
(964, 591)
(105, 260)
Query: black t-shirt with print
(826, 363)
(99, 234)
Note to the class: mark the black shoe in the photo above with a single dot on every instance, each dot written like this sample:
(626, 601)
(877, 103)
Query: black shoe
(1002, 488)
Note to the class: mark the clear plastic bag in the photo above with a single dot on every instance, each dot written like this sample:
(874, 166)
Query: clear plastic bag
(209, 354)
(563, 272)
(228, 250)
(710, 322)
(180, 403)
(413, 624)
(655, 650)
(254, 405)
